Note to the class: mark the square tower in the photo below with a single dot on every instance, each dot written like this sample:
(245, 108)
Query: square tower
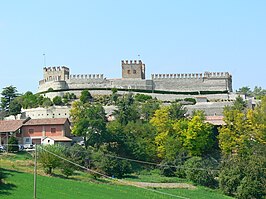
(133, 69)
(55, 73)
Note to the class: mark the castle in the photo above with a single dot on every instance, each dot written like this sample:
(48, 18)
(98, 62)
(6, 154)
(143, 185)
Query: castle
(133, 77)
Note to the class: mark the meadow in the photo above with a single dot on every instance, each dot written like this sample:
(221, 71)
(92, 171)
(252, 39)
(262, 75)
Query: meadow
(18, 183)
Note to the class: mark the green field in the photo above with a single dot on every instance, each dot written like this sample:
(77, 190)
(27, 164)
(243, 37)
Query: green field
(20, 185)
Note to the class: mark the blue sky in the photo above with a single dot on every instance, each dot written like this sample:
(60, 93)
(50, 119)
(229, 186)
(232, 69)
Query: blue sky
(171, 36)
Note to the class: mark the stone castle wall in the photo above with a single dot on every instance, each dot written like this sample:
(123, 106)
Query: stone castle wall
(133, 77)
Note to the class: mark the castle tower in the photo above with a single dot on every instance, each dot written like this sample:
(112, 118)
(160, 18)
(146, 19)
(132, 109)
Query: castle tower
(133, 69)
(55, 73)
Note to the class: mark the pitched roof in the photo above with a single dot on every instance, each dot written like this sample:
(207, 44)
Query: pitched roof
(47, 121)
(60, 138)
(215, 120)
(10, 125)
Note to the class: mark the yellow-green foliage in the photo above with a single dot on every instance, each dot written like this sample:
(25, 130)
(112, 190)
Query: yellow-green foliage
(243, 128)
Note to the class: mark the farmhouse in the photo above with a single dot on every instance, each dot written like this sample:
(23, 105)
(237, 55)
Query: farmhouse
(36, 131)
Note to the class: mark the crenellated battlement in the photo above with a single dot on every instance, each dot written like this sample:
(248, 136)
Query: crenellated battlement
(133, 76)
(87, 76)
(55, 68)
(131, 62)
(217, 74)
(192, 75)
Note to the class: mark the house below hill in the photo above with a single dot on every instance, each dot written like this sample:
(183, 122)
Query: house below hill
(36, 131)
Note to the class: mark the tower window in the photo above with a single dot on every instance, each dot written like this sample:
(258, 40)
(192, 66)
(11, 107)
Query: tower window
(128, 71)
(134, 72)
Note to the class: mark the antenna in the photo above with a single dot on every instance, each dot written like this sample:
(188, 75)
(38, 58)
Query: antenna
(44, 59)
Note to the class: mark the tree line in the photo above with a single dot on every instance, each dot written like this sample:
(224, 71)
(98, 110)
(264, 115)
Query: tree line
(231, 157)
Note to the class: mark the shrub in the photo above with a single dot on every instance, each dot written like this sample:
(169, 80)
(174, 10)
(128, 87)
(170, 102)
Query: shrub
(50, 90)
(13, 144)
(192, 100)
(57, 100)
(167, 169)
(111, 166)
(199, 171)
(142, 97)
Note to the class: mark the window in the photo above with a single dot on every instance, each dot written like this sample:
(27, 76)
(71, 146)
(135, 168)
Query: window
(128, 71)
(27, 140)
(53, 130)
(31, 130)
(134, 72)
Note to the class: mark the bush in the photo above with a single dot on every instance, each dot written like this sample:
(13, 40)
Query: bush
(199, 171)
(167, 169)
(50, 90)
(57, 100)
(109, 165)
(1, 175)
(142, 97)
(12, 144)
(192, 100)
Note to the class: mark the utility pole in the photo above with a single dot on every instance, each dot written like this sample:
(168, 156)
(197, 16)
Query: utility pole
(35, 173)
(6, 142)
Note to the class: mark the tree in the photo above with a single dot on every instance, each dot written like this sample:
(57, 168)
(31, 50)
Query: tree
(46, 102)
(85, 96)
(89, 121)
(243, 129)
(8, 95)
(148, 109)
(127, 110)
(161, 121)
(29, 100)
(47, 158)
(105, 162)
(200, 171)
(134, 140)
(196, 136)
(258, 92)
(177, 111)
(57, 100)
(242, 141)
(176, 132)
(14, 108)
(114, 96)
(13, 144)
(245, 90)
(244, 176)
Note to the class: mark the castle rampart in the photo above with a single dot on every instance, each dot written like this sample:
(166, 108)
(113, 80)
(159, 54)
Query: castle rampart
(133, 77)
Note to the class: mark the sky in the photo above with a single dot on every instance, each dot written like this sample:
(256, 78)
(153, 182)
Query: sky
(169, 36)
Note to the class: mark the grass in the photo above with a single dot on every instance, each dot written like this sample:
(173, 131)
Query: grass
(18, 183)
(153, 176)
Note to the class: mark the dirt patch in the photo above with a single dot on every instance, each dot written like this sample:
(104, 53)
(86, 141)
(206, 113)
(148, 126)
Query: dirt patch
(165, 185)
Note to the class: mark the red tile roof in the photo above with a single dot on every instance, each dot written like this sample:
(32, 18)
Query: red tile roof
(215, 120)
(10, 125)
(48, 121)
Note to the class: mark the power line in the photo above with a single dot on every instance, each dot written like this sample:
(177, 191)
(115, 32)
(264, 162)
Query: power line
(160, 165)
(152, 163)
(113, 179)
